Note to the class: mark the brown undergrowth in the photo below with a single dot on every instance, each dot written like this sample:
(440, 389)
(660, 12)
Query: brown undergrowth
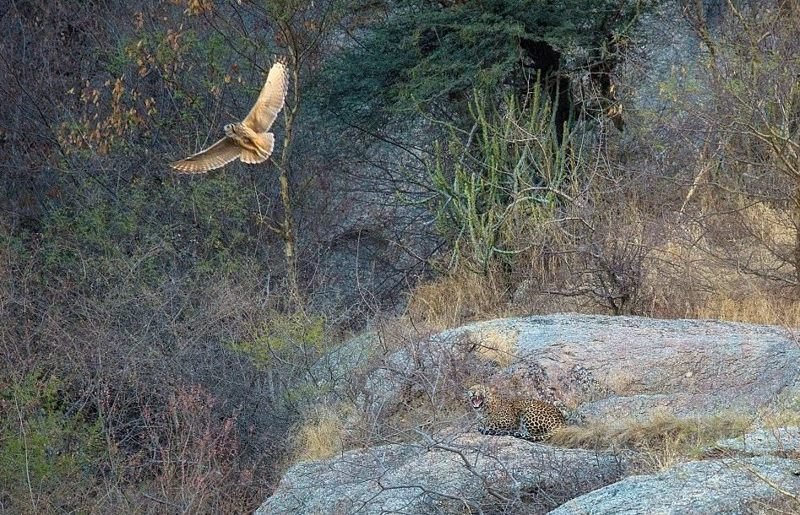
(684, 275)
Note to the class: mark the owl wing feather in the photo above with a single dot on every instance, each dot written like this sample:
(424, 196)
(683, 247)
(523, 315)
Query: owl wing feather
(270, 100)
(216, 156)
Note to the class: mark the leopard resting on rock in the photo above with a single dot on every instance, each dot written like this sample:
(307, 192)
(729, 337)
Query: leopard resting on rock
(530, 419)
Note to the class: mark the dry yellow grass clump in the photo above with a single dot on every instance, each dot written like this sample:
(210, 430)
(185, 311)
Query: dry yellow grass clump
(758, 308)
(663, 438)
(456, 298)
(320, 436)
(497, 345)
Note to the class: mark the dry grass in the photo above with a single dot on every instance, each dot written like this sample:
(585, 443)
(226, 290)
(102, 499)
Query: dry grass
(320, 436)
(456, 298)
(690, 269)
(787, 414)
(663, 439)
(758, 308)
(697, 271)
(496, 345)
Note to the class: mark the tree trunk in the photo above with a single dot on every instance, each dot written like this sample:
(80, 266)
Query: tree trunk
(287, 233)
(796, 223)
(287, 226)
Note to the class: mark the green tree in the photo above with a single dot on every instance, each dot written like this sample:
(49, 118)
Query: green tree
(431, 57)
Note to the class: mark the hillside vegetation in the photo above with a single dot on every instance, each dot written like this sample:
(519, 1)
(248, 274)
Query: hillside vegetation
(437, 162)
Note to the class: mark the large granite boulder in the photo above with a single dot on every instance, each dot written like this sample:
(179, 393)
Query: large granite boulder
(612, 366)
(607, 368)
(704, 487)
(461, 474)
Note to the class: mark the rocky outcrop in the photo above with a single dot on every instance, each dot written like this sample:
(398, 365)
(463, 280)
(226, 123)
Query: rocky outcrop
(781, 441)
(633, 366)
(465, 473)
(607, 368)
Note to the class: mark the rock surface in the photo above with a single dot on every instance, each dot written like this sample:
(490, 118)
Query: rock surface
(607, 367)
(713, 486)
(782, 441)
(466, 472)
(633, 366)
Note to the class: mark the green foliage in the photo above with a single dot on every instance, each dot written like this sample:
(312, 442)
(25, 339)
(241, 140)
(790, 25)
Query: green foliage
(49, 453)
(424, 54)
(148, 230)
(221, 211)
(284, 337)
(289, 346)
(512, 174)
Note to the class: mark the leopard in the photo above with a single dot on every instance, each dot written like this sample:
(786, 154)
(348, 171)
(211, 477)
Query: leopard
(529, 419)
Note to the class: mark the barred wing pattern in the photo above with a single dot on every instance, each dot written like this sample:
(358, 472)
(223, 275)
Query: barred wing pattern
(260, 118)
(216, 156)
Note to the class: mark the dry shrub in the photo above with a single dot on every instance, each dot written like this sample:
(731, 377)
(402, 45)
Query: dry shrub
(634, 249)
(787, 503)
(418, 385)
(459, 296)
(663, 439)
(395, 332)
(196, 456)
(678, 275)
(770, 225)
(591, 258)
(702, 271)
(728, 265)
(740, 292)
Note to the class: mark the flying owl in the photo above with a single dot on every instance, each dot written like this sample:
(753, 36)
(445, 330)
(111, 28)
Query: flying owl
(249, 139)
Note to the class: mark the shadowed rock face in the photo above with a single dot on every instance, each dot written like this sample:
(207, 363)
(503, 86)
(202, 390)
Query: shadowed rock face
(714, 486)
(469, 471)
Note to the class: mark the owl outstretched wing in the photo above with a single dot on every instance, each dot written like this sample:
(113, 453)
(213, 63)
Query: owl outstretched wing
(216, 156)
(261, 116)
(270, 100)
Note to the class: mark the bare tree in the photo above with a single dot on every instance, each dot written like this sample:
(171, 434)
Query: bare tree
(754, 116)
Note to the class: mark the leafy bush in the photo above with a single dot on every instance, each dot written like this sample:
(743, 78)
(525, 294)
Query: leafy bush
(50, 453)
(289, 347)
(281, 337)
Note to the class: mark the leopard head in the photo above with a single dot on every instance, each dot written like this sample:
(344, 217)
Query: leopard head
(478, 396)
